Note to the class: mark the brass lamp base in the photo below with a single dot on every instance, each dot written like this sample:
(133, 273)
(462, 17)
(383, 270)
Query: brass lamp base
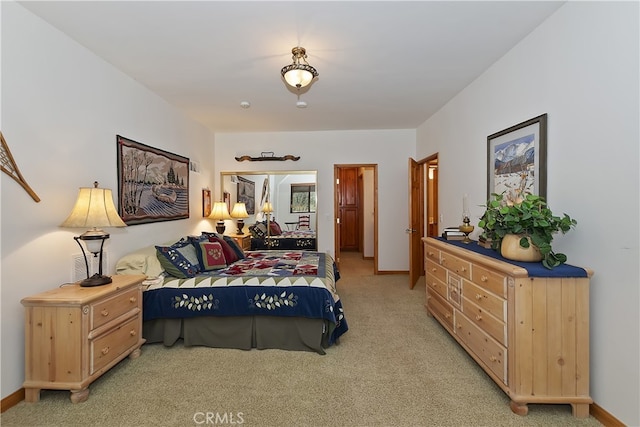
(240, 227)
(466, 229)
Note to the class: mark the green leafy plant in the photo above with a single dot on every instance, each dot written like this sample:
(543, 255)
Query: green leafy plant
(529, 217)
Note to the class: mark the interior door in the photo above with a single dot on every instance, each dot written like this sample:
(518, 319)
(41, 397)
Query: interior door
(416, 221)
(349, 206)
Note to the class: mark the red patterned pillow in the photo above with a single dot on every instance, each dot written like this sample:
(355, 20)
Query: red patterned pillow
(229, 254)
(211, 256)
(275, 228)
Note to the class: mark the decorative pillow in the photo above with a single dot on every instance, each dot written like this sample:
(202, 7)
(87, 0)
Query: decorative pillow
(180, 259)
(229, 254)
(259, 230)
(275, 228)
(205, 235)
(211, 255)
(234, 245)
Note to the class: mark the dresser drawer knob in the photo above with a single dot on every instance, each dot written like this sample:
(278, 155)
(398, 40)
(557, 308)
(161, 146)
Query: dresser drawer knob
(478, 317)
(463, 269)
(430, 253)
(105, 350)
(434, 269)
(133, 300)
(448, 316)
(132, 333)
(478, 297)
(104, 312)
(484, 278)
(493, 358)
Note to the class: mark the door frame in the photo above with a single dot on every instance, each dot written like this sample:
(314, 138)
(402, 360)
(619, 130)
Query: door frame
(421, 205)
(336, 210)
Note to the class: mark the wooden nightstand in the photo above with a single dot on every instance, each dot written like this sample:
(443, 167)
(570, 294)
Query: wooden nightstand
(243, 240)
(73, 335)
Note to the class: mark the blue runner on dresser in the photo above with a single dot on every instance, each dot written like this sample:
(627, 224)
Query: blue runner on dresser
(534, 269)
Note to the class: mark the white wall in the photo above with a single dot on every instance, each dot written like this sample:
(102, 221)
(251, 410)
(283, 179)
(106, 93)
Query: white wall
(319, 151)
(61, 110)
(581, 68)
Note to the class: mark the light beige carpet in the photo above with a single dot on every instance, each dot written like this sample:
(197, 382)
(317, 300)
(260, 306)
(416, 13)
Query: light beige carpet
(394, 367)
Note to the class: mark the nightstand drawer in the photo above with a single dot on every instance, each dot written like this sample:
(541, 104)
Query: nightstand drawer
(109, 309)
(108, 347)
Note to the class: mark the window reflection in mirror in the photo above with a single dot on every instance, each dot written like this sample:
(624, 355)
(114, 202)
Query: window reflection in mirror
(291, 194)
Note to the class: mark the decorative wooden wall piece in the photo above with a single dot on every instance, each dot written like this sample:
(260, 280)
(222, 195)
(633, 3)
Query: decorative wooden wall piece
(10, 168)
(268, 156)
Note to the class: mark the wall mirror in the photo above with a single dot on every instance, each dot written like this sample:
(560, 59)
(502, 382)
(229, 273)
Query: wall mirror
(287, 198)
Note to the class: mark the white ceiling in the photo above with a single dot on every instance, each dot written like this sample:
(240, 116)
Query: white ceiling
(382, 64)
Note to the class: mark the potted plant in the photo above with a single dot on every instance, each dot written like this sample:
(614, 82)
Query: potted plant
(530, 219)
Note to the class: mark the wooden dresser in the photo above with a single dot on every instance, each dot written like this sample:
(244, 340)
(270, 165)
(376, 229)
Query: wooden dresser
(74, 334)
(530, 334)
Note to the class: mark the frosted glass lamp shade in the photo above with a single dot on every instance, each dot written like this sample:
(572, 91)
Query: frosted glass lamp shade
(298, 78)
(299, 74)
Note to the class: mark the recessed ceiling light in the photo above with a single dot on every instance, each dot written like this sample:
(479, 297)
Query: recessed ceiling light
(245, 104)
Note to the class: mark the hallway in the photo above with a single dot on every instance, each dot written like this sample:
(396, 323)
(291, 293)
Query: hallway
(352, 264)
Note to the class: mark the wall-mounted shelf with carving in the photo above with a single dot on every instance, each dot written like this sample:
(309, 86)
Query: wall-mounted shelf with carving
(268, 156)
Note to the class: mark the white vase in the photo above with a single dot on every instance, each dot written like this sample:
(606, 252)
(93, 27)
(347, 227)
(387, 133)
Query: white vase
(510, 249)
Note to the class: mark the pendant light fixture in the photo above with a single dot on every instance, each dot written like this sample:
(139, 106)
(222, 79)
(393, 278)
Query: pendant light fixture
(300, 73)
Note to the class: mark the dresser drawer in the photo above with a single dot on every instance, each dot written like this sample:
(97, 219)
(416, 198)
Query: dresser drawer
(109, 346)
(490, 280)
(459, 266)
(436, 285)
(436, 270)
(483, 346)
(439, 308)
(432, 254)
(491, 303)
(110, 308)
(485, 321)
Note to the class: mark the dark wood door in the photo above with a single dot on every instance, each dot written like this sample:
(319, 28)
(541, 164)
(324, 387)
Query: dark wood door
(349, 209)
(415, 230)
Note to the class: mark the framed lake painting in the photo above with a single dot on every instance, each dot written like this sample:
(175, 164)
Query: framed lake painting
(153, 184)
(517, 159)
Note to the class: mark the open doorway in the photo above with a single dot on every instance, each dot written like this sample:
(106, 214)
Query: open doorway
(356, 213)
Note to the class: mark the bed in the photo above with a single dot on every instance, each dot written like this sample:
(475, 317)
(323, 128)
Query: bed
(284, 299)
